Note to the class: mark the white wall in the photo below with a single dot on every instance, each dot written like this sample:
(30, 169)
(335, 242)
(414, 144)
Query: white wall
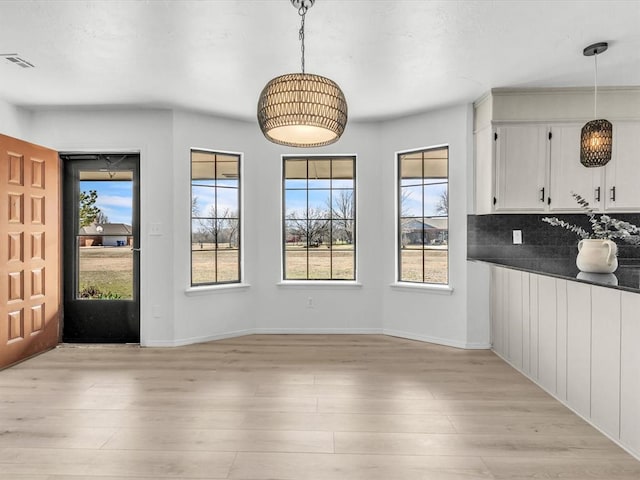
(150, 133)
(172, 314)
(14, 121)
(422, 313)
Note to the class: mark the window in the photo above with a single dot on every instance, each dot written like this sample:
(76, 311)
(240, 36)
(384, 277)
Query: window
(423, 216)
(215, 217)
(319, 224)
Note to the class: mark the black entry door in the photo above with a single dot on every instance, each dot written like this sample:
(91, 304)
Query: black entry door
(101, 225)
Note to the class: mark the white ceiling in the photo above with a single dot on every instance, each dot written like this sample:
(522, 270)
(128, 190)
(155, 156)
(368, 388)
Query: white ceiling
(391, 57)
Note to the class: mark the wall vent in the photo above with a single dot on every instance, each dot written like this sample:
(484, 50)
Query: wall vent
(16, 60)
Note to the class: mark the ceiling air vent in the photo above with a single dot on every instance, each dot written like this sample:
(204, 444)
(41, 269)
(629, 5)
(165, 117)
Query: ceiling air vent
(16, 60)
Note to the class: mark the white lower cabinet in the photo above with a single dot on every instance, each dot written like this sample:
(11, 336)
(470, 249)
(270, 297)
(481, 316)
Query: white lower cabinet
(605, 359)
(514, 317)
(630, 371)
(547, 333)
(579, 342)
(579, 347)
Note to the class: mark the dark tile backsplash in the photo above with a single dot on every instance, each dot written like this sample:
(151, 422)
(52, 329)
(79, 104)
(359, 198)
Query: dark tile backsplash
(490, 237)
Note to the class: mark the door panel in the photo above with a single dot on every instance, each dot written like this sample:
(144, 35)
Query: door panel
(101, 251)
(29, 250)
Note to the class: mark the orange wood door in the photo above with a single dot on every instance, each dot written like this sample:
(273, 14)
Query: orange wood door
(29, 250)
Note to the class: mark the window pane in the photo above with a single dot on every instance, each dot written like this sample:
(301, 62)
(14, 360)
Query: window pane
(319, 218)
(343, 170)
(296, 184)
(295, 233)
(203, 200)
(320, 169)
(435, 264)
(228, 261)
(413, 232)
(203, 172)
(319, 263)
(319, 203)
(343, 204)
(215, 217)
(203, 266)
(296, 169)
(228, 202)
(423, 216)
(343, 266)
(411, 264)
(435, 199)
(201, 235)
(411, 201)
(411, 170)
(295, 203)
(295, 261)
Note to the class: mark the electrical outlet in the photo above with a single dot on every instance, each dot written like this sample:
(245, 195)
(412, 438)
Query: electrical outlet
(155, 229)
(309, 302)
(517, 237)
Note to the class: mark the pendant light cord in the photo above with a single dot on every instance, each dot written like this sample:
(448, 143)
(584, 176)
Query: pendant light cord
(595, 96)
(302, 11)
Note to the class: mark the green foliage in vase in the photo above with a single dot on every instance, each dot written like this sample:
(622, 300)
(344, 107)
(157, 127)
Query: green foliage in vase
(602, 226)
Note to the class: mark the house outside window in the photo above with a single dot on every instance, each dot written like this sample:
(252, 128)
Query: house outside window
(423, 216)
(215, 217)
(319, 218)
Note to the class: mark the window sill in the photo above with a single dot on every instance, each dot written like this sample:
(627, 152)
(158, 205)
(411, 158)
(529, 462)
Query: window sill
(425, 287)
(204, 290)
(319, 284)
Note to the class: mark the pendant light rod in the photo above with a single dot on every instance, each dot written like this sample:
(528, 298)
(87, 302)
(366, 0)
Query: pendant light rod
(593, 51)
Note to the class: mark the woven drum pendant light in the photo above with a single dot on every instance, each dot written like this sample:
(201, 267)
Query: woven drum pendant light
(596, 138)
(302, 109)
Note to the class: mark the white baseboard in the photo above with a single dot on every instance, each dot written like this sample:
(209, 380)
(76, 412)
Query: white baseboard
(189, 341)
(316, 331)
(439, 341)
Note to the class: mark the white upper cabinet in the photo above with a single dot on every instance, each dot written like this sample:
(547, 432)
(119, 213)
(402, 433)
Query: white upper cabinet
(527, 151)
(521, 156)
(568, 175)
(623, 171)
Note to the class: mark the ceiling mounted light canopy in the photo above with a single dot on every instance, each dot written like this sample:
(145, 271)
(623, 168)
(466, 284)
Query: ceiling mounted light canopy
(302, 109)
(596, 138)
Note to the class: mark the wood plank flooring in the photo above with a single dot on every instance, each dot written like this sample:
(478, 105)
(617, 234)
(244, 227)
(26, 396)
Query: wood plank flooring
(290, 407)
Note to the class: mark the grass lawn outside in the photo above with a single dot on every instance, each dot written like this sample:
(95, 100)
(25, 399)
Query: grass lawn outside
(109, 269)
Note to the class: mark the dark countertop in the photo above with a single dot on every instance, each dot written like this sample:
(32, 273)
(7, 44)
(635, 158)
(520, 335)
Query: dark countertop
(626, 277)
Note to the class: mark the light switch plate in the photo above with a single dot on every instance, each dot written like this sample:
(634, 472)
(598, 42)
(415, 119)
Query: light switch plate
(517, 237)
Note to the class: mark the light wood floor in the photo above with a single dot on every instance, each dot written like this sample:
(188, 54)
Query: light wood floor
(290, 407)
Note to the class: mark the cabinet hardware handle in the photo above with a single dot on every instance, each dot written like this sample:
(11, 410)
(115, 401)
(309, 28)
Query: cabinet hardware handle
(548, 200)
(495, 200)
(542, 194)
(597, 194)
(613, 194)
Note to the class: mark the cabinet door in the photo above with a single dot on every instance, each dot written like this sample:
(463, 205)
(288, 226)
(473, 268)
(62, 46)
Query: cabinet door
(547, 333)
(521, 165)
(568, 175)
(483, 170)
(605, 359)
(623, 170)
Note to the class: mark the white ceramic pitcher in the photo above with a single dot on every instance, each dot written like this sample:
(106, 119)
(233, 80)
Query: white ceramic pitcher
(596, 255)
